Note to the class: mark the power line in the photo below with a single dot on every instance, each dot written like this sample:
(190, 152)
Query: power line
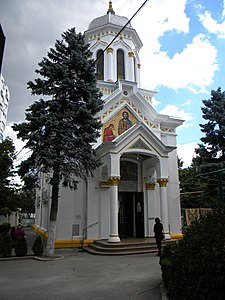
(101, 53)
(116, 36)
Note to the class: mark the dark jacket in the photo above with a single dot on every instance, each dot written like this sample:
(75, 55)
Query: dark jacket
(158, 230)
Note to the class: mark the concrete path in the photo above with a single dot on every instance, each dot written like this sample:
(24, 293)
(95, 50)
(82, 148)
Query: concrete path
(80, 276)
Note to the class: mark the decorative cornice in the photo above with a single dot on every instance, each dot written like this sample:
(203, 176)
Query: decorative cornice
(162, 182)
(114, 180)
(150, 186)
(106, 91)
(168, 129)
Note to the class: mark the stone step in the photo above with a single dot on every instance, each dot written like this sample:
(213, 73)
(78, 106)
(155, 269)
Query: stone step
(96, 252)
(125, 247)
(128, 248)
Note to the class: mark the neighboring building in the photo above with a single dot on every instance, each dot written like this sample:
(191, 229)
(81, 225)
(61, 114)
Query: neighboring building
(138, 178)
(2, 46)
(4, 91)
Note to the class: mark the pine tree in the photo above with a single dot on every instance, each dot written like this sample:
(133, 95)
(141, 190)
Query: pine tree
(214, 129)
(61, 130)
(211, 154)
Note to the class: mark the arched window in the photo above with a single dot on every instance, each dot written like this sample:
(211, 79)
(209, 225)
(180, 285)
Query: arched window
(100, 65)
(120, 65)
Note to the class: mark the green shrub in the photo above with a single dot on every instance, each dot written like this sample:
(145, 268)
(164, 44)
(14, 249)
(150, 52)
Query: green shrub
(38, 247)
(4, 228)
(6, 245)
(195, 267)
(21, 246)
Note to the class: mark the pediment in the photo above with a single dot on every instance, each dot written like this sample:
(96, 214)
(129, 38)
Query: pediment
(140, 144)
(138, 138)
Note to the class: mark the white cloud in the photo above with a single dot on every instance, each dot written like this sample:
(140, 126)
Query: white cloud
(188, 102)
(177, 112)
(212, 25)
(155, 102)
(159, 17)
(193, 68)
(186, 152)
(22, 154)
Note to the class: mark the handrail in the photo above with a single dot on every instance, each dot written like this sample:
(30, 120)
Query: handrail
(85, 228)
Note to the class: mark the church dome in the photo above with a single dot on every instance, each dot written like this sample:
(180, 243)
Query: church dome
(109, 18)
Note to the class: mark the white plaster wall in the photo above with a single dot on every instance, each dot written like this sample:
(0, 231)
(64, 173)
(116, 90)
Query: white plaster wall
(93, 216)
(70, 211)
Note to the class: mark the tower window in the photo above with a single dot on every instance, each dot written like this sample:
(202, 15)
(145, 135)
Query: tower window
(100, 65)
(120, 65)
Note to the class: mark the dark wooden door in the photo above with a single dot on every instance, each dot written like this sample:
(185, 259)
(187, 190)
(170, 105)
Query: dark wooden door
(139, 215)
(125, 216)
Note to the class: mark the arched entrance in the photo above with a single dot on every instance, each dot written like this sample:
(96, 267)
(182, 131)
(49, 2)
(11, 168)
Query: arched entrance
(131, 200)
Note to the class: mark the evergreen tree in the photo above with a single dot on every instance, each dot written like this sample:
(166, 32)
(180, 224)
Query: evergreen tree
(211, 154)
(61, 130)
(7, 194)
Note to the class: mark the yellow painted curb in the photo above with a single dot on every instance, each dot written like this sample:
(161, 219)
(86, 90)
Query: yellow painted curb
(176, 236)
(60, 244)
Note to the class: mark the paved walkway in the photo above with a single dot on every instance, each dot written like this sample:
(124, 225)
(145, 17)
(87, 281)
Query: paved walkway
(82, 276)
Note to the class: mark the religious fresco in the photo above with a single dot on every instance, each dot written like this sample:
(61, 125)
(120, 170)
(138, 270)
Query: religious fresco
(119, 123)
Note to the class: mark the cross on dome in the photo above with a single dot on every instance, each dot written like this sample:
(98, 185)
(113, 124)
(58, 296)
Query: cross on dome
(110, 10)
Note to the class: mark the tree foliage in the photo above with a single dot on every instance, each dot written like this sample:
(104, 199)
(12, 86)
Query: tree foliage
(8, 199)
(194, 268)
(210, 156)
(61, 127)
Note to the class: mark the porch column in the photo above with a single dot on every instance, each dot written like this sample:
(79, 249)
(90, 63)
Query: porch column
(130, 75)
(114, 236)
(150, 188)
(109, 69)
(164, 206)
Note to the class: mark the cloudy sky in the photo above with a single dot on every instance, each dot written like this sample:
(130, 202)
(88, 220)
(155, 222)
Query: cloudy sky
(182, 57)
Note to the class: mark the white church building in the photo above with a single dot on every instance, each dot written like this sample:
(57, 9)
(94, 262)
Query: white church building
(138, 177)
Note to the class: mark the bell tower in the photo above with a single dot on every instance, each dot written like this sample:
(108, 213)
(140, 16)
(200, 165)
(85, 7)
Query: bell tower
(120, 60)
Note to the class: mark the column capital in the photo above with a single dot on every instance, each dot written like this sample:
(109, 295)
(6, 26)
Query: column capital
(114, 180)
(150, 186)
(109, 50)
(131, 54)
(162, 182)
(139, 66)
(104, 184)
